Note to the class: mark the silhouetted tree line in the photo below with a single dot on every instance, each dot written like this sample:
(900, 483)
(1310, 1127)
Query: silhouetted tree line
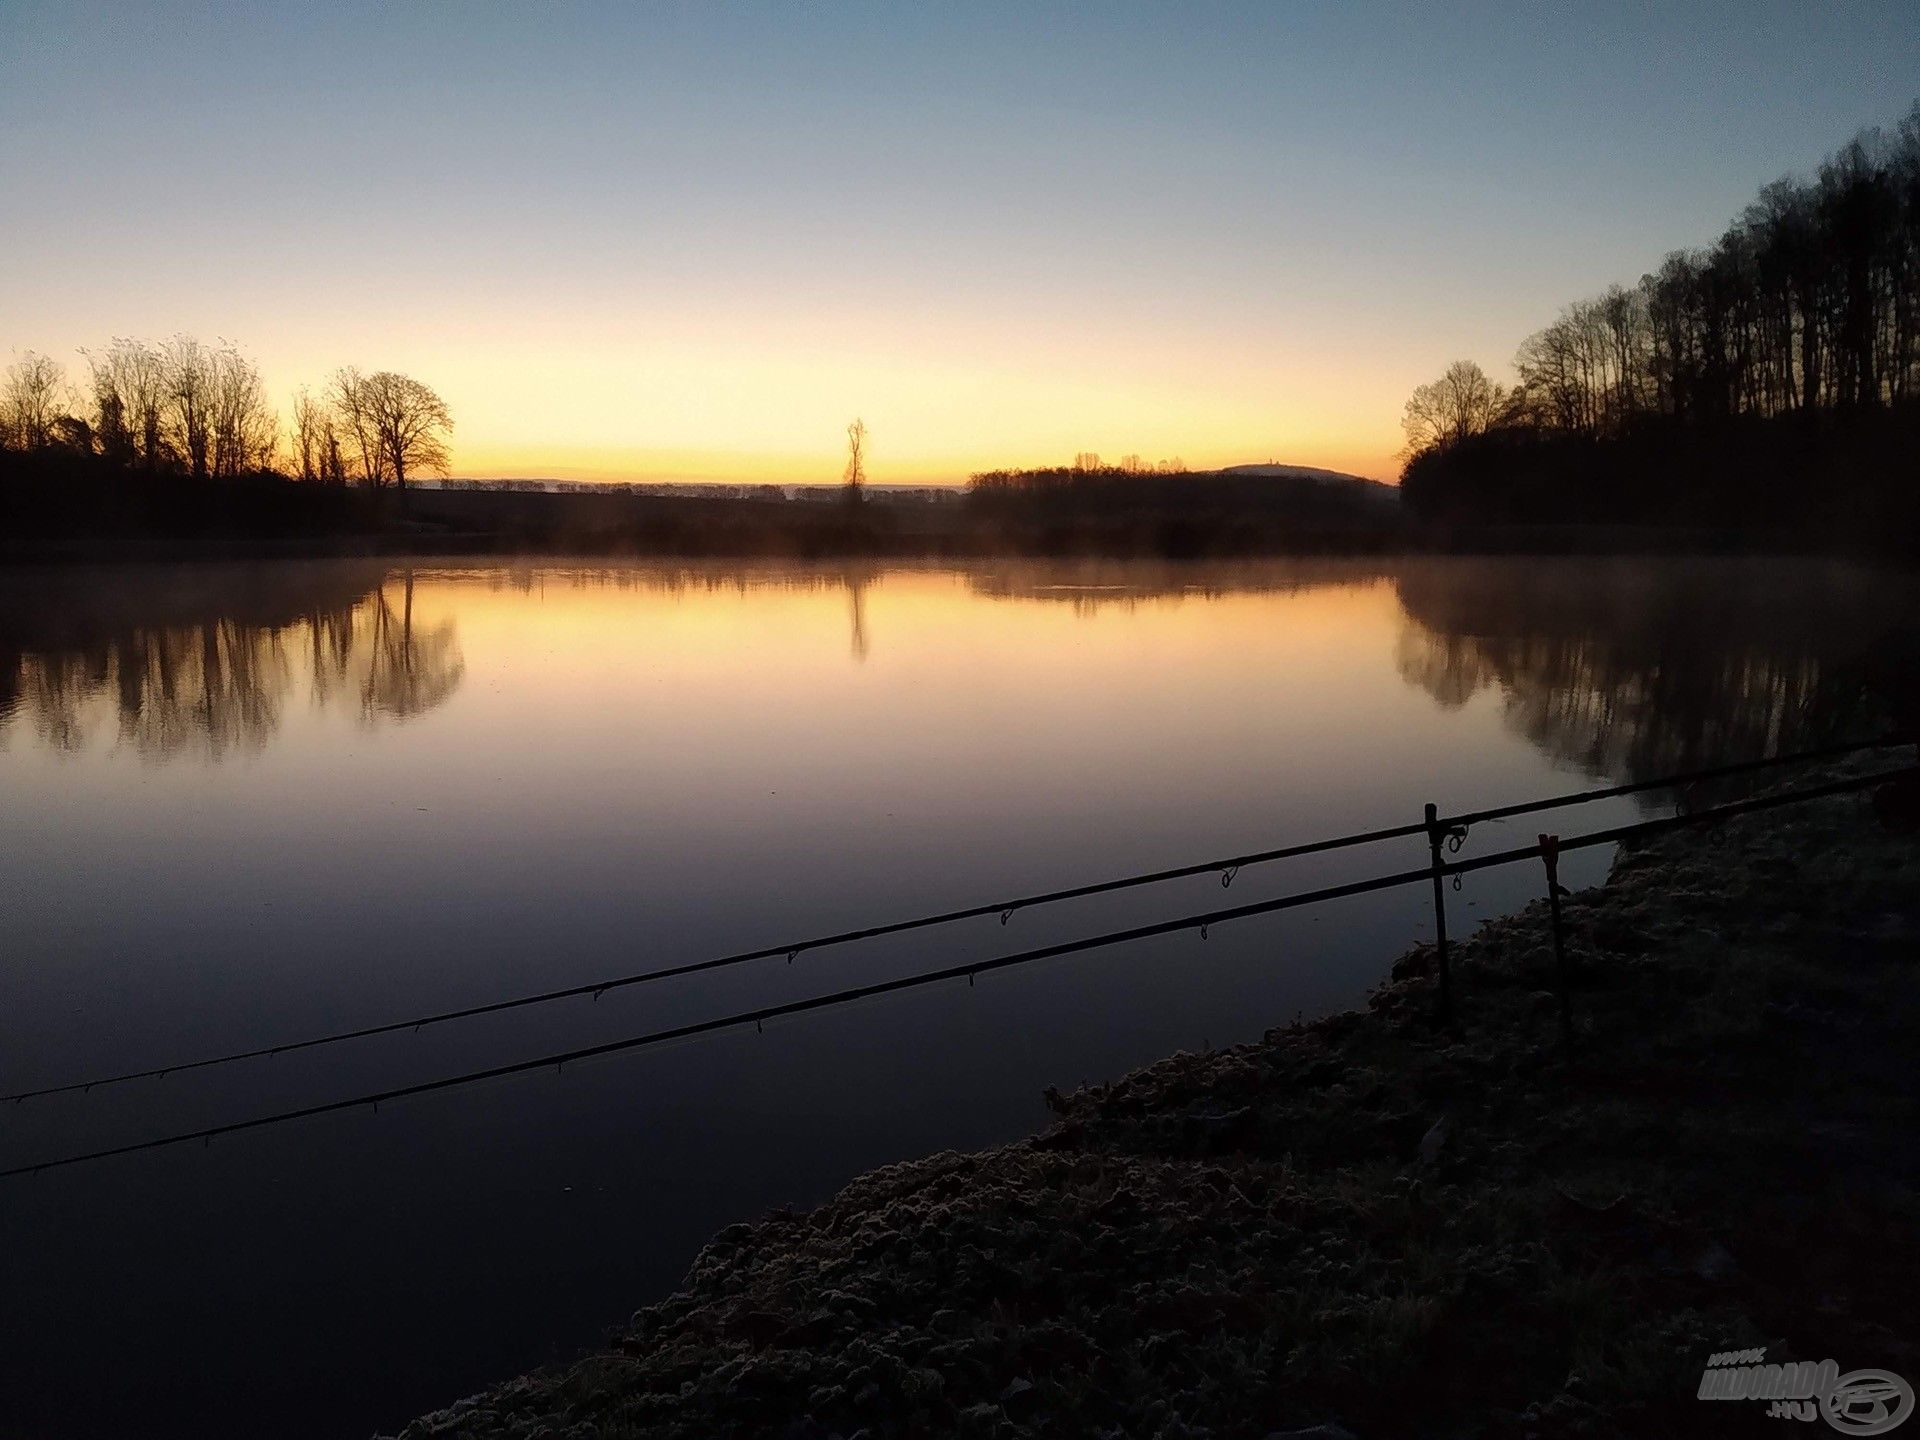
(1086, 475)
(182, 407)
(1773, 375)
(181, 437)
(1136, 509)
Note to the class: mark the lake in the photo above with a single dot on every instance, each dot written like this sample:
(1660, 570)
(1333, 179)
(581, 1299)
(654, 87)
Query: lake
(249, 803)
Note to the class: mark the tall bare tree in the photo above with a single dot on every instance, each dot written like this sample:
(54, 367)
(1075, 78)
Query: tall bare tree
(353, 404)
(187, 396)
(410, 425)
(242, 427)
(32, 398)
(856, 475)
(128, 400)
(333, 464)
(1460, 403)
(309, 415)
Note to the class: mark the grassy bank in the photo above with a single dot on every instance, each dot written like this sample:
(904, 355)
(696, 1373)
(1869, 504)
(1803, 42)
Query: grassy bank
(1367, 1223)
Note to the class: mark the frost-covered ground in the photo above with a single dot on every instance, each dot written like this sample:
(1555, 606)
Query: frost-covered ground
(1371, 1226)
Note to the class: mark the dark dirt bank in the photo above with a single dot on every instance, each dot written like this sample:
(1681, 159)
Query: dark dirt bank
(1366, 1225)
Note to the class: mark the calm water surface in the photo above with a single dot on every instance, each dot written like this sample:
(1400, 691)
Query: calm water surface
(242, 804)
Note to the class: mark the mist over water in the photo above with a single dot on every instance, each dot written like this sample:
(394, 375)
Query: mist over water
(246, 804)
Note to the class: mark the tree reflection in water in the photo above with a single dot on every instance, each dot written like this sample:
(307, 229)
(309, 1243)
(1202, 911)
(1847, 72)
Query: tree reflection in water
(1633, 668)
(1627, 668)
(408, 670)
(199, 682)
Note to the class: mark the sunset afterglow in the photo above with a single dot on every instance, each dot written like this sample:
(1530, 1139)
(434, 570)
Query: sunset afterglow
(678, 243)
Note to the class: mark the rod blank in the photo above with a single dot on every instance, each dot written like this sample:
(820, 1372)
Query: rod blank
(1004, 908)
(970, 969)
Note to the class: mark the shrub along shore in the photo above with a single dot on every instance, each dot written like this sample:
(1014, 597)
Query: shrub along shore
(1369, 1226)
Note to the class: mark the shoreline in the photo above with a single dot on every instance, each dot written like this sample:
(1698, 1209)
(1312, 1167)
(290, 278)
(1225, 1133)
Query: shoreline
(91, 518)
(1367, 1224)
(1519, 541)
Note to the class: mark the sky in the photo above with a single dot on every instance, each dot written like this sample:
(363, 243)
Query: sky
(655, 242)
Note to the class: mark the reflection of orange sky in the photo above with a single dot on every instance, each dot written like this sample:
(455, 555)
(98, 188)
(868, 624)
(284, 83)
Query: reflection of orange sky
(705, 690)
(594, 606)
(587, 623)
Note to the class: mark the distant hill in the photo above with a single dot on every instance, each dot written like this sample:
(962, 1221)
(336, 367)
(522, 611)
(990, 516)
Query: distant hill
(1359, 486)
(1300, 472)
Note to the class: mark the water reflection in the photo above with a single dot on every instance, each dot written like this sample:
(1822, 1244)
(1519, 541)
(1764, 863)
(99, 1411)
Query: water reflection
(1637, 668)
(402, 670)
(857, 619)
(1625, 668)
(649, 763)
(1090, 586)
(177, 664)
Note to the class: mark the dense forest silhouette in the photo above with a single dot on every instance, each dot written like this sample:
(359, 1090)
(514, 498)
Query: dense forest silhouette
(1134, 509)
(1767, 383)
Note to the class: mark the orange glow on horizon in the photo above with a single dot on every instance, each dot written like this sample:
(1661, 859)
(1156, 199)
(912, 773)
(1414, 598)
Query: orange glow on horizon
(762, 410)
(639, 466)
(729, 399)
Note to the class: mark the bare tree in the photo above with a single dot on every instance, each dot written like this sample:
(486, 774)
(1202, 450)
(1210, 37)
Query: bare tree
(31, 400)
(352, 402)
(333, 465)
(1460, 403)
(242, 426)
(128, 399)
(116, 440)
(113, 417)
(410, 425)
(316, 440)
(309, 415)
(187, 386)
(856, 458)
